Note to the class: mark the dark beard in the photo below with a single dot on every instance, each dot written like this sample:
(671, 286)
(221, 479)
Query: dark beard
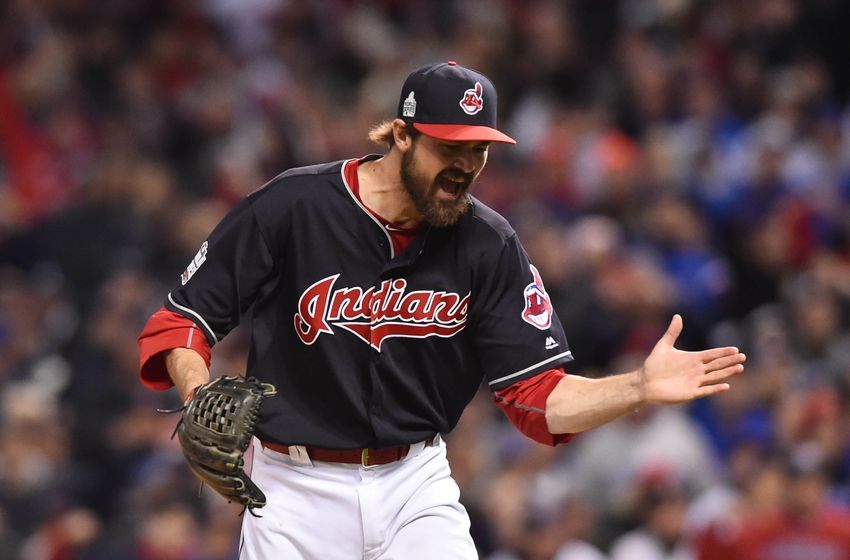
(435, 212)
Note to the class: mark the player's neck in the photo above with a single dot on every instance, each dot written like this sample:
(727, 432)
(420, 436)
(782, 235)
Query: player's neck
(382, 192)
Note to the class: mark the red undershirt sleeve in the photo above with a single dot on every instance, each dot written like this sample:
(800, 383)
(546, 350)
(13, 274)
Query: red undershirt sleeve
(524, 403)
(166, 330)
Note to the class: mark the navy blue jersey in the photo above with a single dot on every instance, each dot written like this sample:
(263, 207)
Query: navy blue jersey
(368, 348)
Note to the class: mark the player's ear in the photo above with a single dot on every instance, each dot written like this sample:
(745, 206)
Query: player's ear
(402, 139)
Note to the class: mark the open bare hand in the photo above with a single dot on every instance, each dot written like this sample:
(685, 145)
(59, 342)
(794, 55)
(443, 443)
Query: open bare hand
(672, 376)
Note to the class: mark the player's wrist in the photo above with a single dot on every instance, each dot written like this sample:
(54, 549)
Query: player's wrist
(640, 386)
(190, 385)
(190, 394)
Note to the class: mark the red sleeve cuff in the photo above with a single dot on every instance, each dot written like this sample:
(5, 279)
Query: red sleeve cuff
(524, 403)
(166, 330)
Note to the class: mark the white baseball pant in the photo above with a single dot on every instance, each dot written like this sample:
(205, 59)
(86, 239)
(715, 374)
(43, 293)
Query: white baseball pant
(405, 510)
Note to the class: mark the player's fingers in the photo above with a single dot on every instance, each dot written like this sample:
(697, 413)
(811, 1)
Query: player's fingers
(708, 390)
(721, 374)
(673, 330)
(725, 361)
(714, 353)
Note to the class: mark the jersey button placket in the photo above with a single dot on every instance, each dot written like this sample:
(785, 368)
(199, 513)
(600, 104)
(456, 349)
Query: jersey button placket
(374, 307)
(384, 245)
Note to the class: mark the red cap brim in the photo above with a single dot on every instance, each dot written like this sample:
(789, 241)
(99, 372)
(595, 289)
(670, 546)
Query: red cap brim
(463, 133)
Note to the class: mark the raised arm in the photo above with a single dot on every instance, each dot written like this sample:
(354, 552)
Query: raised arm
(668, 376)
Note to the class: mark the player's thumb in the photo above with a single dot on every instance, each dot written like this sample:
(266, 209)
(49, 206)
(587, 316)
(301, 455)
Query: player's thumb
(673, 331)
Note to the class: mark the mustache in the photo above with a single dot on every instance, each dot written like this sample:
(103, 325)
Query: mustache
(467, 178)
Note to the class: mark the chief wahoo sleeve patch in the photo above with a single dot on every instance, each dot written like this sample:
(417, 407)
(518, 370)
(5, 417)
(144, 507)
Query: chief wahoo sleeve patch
(538, 306)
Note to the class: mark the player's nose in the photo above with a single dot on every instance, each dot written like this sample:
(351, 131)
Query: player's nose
(465, 162)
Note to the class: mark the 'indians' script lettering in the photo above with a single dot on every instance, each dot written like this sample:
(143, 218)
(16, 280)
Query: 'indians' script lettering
(374, 315)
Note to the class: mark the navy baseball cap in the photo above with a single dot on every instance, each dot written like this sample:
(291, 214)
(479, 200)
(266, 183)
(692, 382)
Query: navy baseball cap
(450, 102)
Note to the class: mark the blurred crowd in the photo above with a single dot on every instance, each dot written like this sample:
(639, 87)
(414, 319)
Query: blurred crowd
(687, 156)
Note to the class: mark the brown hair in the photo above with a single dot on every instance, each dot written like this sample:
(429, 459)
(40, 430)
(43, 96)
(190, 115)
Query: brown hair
(382, 134)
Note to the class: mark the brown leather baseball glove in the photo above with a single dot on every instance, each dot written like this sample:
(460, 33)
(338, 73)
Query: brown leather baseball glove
(215, 430)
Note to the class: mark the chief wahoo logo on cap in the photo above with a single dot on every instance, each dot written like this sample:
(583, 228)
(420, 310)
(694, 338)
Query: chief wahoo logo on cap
(472, 101)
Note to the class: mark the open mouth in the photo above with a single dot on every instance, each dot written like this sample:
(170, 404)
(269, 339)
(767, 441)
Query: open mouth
(452, 186)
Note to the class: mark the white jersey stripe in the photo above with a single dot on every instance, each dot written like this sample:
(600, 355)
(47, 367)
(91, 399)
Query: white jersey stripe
(566, 354)
(194, 314)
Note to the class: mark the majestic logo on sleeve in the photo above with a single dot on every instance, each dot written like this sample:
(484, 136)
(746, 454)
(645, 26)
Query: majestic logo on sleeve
(376, 315)
(473, 101)
(538, 307)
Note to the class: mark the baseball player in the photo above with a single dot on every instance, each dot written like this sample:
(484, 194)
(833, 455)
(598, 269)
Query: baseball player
(383, 294)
